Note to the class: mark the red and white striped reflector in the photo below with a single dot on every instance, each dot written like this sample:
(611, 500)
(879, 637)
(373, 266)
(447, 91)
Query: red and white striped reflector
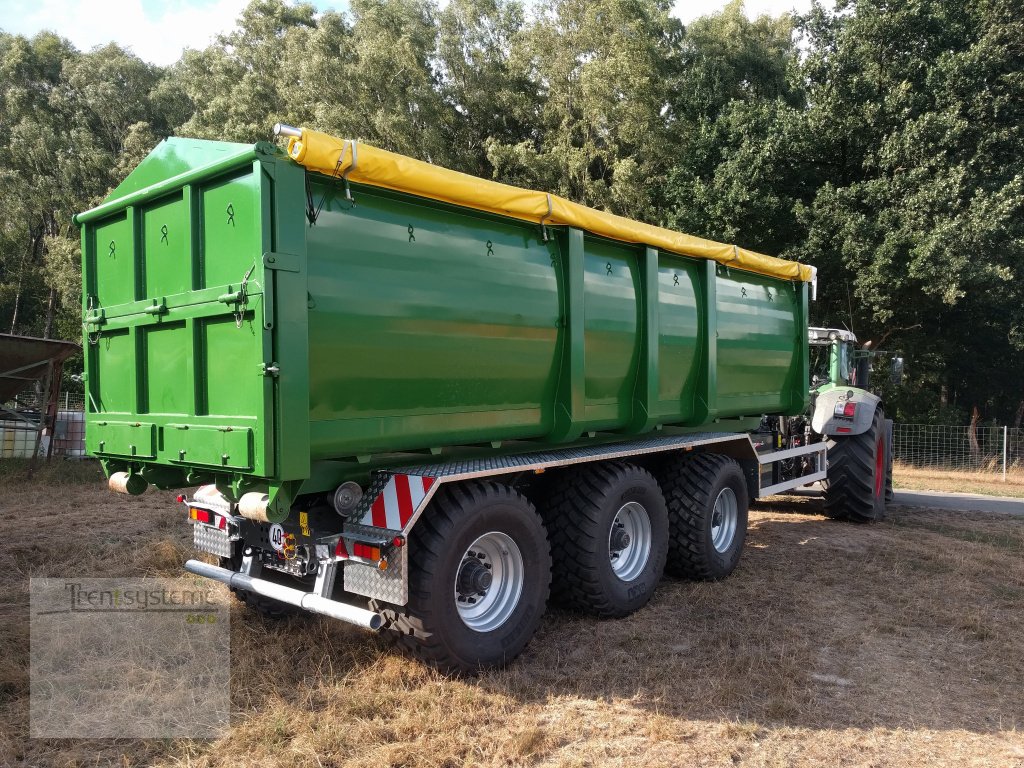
(398, 502)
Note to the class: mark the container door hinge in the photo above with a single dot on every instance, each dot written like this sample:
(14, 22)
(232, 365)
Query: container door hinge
(269, 369)
(282, 262)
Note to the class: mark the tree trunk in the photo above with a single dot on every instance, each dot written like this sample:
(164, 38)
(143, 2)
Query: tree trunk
(972, 435)
(17, 305)
(1019, 417)
(51, 307)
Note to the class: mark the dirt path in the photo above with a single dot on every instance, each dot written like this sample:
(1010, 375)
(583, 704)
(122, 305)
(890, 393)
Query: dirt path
(960, 502)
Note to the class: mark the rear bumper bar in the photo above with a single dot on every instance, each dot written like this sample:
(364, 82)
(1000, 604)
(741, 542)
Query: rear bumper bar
(307, 601)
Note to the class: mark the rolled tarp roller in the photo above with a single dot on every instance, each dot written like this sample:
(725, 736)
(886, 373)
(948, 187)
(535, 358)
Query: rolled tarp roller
(366, 164)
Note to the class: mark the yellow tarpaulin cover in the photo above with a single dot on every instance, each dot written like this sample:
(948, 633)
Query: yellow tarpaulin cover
(369, 165)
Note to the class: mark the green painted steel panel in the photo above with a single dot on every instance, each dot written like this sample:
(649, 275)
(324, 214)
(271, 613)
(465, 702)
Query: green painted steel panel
(113, 261)
(230, 219)
(166, 248)
(187, 348)
(111, 368)
(225, 447)
(230, 382)
(678, 334)
(756, 350)
(427, 326)
(168, 348)
(131, 439)
(255, 343)
(611, 332)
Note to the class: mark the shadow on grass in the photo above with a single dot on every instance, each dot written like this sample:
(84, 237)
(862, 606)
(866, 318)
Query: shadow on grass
(913, 623)
(903, 624)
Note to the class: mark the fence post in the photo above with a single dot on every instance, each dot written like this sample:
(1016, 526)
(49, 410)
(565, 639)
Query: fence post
(1005, 430)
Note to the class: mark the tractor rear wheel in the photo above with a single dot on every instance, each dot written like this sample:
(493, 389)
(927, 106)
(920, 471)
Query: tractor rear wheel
(858, 466)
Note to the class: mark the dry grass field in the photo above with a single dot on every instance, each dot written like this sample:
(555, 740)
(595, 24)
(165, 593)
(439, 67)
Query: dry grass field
(900, 643)
(916, 479)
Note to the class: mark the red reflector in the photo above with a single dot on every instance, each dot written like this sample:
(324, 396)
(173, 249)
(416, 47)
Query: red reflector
(340, 551)
(199, 514)
(366, 551)
(181, 498)
(398, 541)
(843, 429)
(849, 409)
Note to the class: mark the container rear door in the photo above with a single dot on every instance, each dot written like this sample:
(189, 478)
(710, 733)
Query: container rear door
(177, 343)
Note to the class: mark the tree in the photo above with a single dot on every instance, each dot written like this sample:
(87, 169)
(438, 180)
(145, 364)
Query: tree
(484, 80)
(241, 85)
(919, 108)
(602, 71)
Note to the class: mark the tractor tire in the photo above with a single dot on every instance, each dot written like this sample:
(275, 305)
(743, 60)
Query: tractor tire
(890, 494)
(609, 527)
(479, 575)
(857, 474)
(707, 510)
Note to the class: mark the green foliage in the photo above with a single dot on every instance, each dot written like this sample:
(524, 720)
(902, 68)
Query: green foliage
(879, 141)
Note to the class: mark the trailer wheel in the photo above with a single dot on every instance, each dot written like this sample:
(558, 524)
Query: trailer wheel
(707, 508)
(479, 574)
(857, 474)
(609, 536)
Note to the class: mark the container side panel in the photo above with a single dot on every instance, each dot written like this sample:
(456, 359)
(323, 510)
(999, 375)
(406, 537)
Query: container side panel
(428, 326)
(231, 230)
(612, 340)
(110, 377)
(166, 235)
(233, 385)
(168, 350)
(114, 265)
(680, 326)
(757, 324)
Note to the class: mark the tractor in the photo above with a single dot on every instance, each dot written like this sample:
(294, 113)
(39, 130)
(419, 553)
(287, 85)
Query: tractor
(849, 417)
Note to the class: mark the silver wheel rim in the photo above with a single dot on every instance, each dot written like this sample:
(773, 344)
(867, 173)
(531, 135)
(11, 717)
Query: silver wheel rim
(629, 555)
(724, 519)
(486, 607)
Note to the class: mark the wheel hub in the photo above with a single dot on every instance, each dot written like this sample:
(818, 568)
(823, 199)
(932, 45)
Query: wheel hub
(724, 520)
(629, 541)
(489, 582)
(474, 578)
(620, 539)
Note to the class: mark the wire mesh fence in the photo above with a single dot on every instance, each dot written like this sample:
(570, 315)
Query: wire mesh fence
(20, 435)
(986, 449)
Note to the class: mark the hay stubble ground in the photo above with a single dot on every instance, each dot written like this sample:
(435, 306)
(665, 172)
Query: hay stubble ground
(896, 644)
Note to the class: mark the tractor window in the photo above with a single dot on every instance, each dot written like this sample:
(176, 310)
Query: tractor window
(819, 363)
(845, 372)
